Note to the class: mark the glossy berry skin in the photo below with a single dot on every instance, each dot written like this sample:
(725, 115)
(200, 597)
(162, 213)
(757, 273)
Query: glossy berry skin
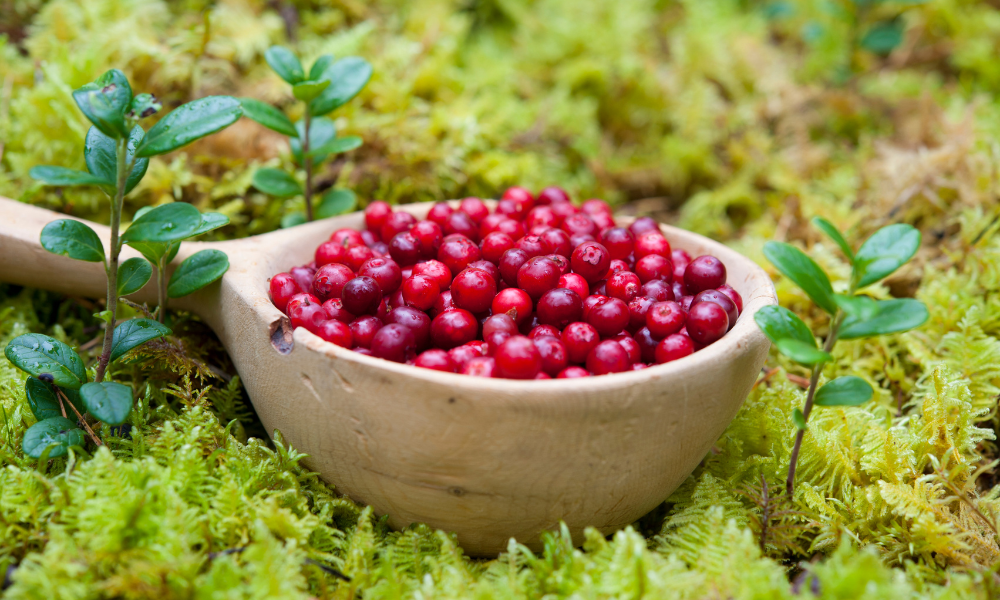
(336, 332)
(552, 195)
(642, 225)
(463, 224)
(453, 328)
(361, 296)
(704, 273)
(384, 271)
(665, 318)
(556, 241)
(638, 307)
(577, 239)
(651, 242)
(532, 245)
(281, 288)
(420, 291)
(364, 329)
(429, 236)
(475, 208)
(564, 209)
(493, 246)
(522, 199)
(541, 216)
(658, 290)
(654, 266)
(561, 262)
(499, 323)
(631, 347)
(397, 222)
(376, 214)
(537, 276)
(357, 255)
(579, 339)
(609, 316)
(485, 265)
(591, 261)
(347, 237)
(415, 320)
(619, 242)
(335, 310)
(595, 206)
(590, 301)
(573, 281)
(733, 295)
(460, 355)
(559, 307)
(623, 285)
(681, 260)
(330, 252)
(511, 227)
(517, 358)
(307, 314)
(722, 300)
(647, 344)
(443, 303)
(608, 357)
(579, 223)
(553, 354)
(436, 360)
(673, 347)
(473, 290)
(297, 299)
(394, 342)
(436, 270)
(480, 366)
(457, 252)
(573, 372)
(513, 300)
(404, 248)
(439, 213)
(543, 330)
(707, 322)
(617, 266)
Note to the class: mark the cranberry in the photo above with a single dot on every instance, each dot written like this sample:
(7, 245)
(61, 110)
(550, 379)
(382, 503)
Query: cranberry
(722, 300)
(678, 289)
(480, 366)
(578, 239)
(357, 255)
(364, 329)
(543, 330)
(461, 355)
(330, 252)
(453, 328)
(383, 310)
(579, 223)
(297, 299)
(647, 344)
(631, 347)
(473, 290)
(665, 318)
(436, 270)
(282, 287)
(303, 276)
(685, 302)
(493, 246)
(556, 241)
(514, 302)
(396, 299)
(617, 266)
(336, 332)
(521, 197)
(417, 321)
(421, 291)
(638, 307)
(461, 223)
(307, 314)
(673, 347)
(511, 227)
(489, 224)
(658, 290)
(618, 241)
(599, 288)
(654, 266)
(564, 209)
(623, 285)
(376, 213)
(573, 373)
(639, 366)
(704, 273)
(405, 249)
(707, 322)
(335, 310)
(439, 213)
(345, 236)
(591, 261)
(608, 357)
(733, 295)
(559, 307)
(595, 206)
(518, 358)
(457, 252)
(428, 235)
(573, 281)
(397, 222)
(542, 375)
(603, 221)
(681, 260)
(537, 276)
(651, 242)
(552, 352)
(579, 339)
(532, 245)
(485, 265)
(642, 225)
(590, 301)
(541, 215)
(435, 359)
(384, 271)
(362, 351)
(380, 249)
(370, 238)
(394, 342)
(609, 316)
(475, 208)
(361, 296)
(443, 303)
(499, 323)
(553, 195)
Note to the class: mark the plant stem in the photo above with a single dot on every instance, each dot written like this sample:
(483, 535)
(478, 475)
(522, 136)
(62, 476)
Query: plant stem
(63, 399)
(161, 289)
(817, 370)
(307, 163)
(124, 168)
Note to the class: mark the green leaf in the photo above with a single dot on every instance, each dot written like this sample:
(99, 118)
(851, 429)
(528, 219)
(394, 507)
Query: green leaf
(101, 155)
(317, 68)
(832, 233)
(165, 223)
(799, 419)
(52, 175)
(347, 77)
(861, 307)
(133, 333)
(209, 222)
(321, 131)
(57, 431)
(197, 271)
(777, 323)
(132, 275)
(802, 352)
(336, 202)
(44, 403)
(276, 182)
(154, 251)
(891, 316)
(334, 146)
(67, 237)
(844, 391)
(108, 401)
(36, 354)
(268, 116)
(144, 105)
(189, 122)
(292, 219)
(285, 64)
(883, 37)
(105, 101)
(307, 90)
(803, 271)
(885, 251)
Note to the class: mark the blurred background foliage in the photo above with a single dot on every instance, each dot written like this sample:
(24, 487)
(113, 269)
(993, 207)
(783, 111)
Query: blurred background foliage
(736, 119)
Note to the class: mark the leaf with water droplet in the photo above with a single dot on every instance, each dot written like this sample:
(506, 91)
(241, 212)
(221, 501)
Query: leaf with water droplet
(52, 175)
(197, 271)
(189, 122)
(268, 116)
(105, 102)
(75, 239)
(108, 401)
(36, 353)
(44, 403)
(101, 155)
(166, 223)
(347, 77)
(132, 275)
(57, 432)
(133, 333)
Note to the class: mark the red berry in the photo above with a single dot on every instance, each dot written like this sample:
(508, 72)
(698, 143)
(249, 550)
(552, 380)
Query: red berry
(428, 235)
(638, 307)
(673, 347)
(394, 342)
(439, 213)
(282, 287)
(443, 303)
(307, 314)
(651, 242)
(541, 215)
(654, 266)
(532, 245)
(336, 332)
(733, 295)
(453, 328)
(436, 270)
(405, 249)
(494, 245)
(463, 224)
(370, 237)
(608, 357)
(521, 197)
(384, 271)
(415, 320)
(623, 285)
(590, 301)
(578, 239)
(573, 281)
(631, 347)
(665, 318)
(303, 276)
(681, 260)
(537, 276)
(514, 302)
(595, 206)
(473, 290)
(297, 299)
(591, 261)
(559, 307)
(556, 241)
(618, 241)
(517, 358)
(357, 255)
(573, 373)
(553, 195)
(435, 359)
(485, 265)
(461, 355)
(457, 252)
(345, 236)
(335, 310)
(658, 290)
(330, 252)
(420, 291)
(722, 300)
(376, 214)
(617, 266)
(579, 223)
(364, 329)
(361, 296)
(704, 273)
(685, 302)
(511, 227)
(579, 339)
(543, 330)
(707, 322)
(480, 366)
(609, 316)
(647, 344)
(552, 352)
(397, 222)
(475, 208)
(642, 225)
(499, 323)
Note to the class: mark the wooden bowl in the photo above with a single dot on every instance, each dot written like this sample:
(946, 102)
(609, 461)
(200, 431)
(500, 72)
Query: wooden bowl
(488, 459)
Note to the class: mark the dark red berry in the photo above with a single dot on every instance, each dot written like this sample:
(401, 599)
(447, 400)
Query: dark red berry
(330, 252)
(514, 302)
(673, 347)
(541, 215)
(623, 285)
(473, 290)
(637, 309)
(552, 352)
(297, 299)
(707, 322)
(453, 328)
(334, 308)
(282, 287)
(405, 249)
(485, 265)
(420, 291)
(573, 281)
(573, 373)
(722, 300)
(336, 332)
(494, 245)
(428, 235)
(665, 318)
(357, 255)
(361, 296)
(704, 273)
(559, 307)
(579, 223)
(681, 260)
(416, 320)
(642, 225)
(439, 213)
(608, 357)
(647, 344)
(617, 266)
(579, 339)
(443, 303)
(537, 276)
(384, 271)
(463, 224)
(595, 206)
(435, 359)
(532, 245)
(307, 314)
(394, 342)
(475, 208)
(654, 266)
(609, 316)
(364, 329)
(461, 355)
(376, 214)
(370, 238)
(618, 241)
(578, 239)
(658, 290)
(303, 276)
(591, 261)
(542, 330)
(552, 195)
(397, 222)
(631, 347)
(457, 252)
(511, 227)
(556, 241)
(733, 295)
(347, 237)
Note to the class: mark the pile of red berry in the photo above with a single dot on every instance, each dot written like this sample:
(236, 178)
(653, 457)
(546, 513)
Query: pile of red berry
(537, 289)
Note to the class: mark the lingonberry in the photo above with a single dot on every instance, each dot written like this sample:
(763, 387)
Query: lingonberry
(334, 308)
(595, 206)
(405, 249)
(678, 289)
(579, 339)
(559, 307)
(608, 357)
(473, 289)
(303, 276)
(599, 288)
(330, 252)
(511, 227)
(603, 221)
(658, 290)
(618, 241)
(347, 237)
(541, 330)
(436, 270)
(435, 359)
(307, 314)
(733, 295)
(578, 239)
(361, 296)
(552, 352)
(591, 261)
(397, 222)
(623, 285)
(637, 309)
(532, 245)
(673, 347)
(722, 300)
(665, 318)
(521, 197)
(494, 244)
(639, 366)
(384, 271)
(480, 366)
(463, 224)
(681, 260)
(617, 266)
(573, 373)
(383, 310)
(453, 328)
(394, 342)
(642, 225)
(553, 195)
(573, 281)
(537, 276)
(428, 235)
(443, 303)
(561, 262)
(297, 299)
(542, 375)
(439, 213)
(590, 301)
(541, 216)
(460, 355)
(609, 316)
(281, 288)
(707, 322)
(556, 241)
(654, 266)
(704, 273)
(489, 224)
(651, 242)
(457, 252)
(518, 358)
(357, 255)
(630, 345)
(370, 237)
(475, 208)
(416, 320)
(579, 223)
(336, 332)
(485, 265)
(514, 302)
(685, 302)
(647, 344)
(499, 323)
(564, 209)
(420, 291)
(376, 213)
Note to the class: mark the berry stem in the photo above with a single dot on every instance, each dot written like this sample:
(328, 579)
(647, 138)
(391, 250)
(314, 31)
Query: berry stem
(124, 168)
(307, 163)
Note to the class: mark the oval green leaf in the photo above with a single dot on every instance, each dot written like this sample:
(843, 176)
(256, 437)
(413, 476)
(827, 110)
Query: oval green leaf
(336, 202)
(108, 401)
(334, 146)
(268, 116)
(307, 90)
(105, 101)
(317, 68)
(189, 122)
(832, 233)
(68, 237)
(801, 352)
(57, 432)
(861, 307)
(35, 354)
(777, 323)
(285, 64)
(101, 155)
(891, 316)
(197, 271)
(292, 219)
(165, 223)
(44, 403)
(885, 251)
(52, 175)
(347, 77)
(209, 222)
(803, 271)
(883, 37)
(132, 275)
(276, 182)
(844, 391)
(321, 131)
(133, 333)
(799, 419)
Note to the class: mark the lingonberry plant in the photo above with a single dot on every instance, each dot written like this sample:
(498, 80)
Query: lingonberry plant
(329, 85)
(853, 315)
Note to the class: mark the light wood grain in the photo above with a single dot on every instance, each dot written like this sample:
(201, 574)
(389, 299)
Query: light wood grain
(486, 459)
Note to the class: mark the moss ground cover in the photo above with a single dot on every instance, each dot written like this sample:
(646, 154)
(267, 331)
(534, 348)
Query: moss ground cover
(739, 120)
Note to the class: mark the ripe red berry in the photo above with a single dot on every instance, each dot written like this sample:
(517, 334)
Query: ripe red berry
(457, 252)
(518, 358)
(473, 290)
(651, 242)
(537, 276)
(623, 285)
(384, 271)
(330, 252)
(618, 241)
(521, 197)
(573, 373)
(397, 222)
(722, 300)
(654, 266)
(335, 310)
(591, 261)
(514, 302)
(532, 245)
(665, 318)
(461, 355)
(573, 281)
(556, 241)
(364, 329)
(485, 265)
(579, 223)
(553, 195)
(579, 339)
(704, 273)
(658, 290)
(552, 352)
(642, 225)
(475, 208)
(420, 291)
(608, 357)
(405, 249)
(631, 347)
(282, 287)
(357, 255)
(439, 213)
(303, 276)
(617, 266)
(461, 223)
(638, 307)
(308, 314)
(681, 260)
(733, 295)
(436, 270)
(453, 328)
(578, 239)
(647, 344)
(480, 366)
(673, 347)
(443, 303)
(494, 245)
(415, 320)
(435, 359)
(394, 342)
(376, 214)
(428, 235)
(361, 296)
(609, 316)
(707, 322)
(297, 299)
(559, 307)
(336, 332)
(511, 227)
(595, 206)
